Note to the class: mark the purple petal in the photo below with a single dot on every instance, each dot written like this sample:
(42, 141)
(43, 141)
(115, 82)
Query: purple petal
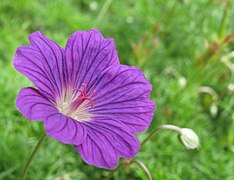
(33, 105)
(107, 140)
(122, 94)
(87, 55)
(65, 129)
(42, 63)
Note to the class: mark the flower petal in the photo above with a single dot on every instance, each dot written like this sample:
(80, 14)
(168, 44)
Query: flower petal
(42, 63)
(122, 94)
(87, 55)
(33, 105)
(107, 140)
(65, 129)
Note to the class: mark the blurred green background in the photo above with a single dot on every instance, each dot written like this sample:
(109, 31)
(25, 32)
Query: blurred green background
(186, 49)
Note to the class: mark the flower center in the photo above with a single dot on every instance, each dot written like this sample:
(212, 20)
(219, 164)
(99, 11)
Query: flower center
(76, 103)
(82, 98)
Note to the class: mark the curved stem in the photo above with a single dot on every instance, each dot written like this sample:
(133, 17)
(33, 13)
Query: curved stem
(143, 167)
(32, 155)
(166, 126)
(149, 136)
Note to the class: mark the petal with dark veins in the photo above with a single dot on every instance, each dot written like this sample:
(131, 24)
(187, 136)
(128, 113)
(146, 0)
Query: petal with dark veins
(122, 94)
(107, 140)
(87, 55)
(42, 63)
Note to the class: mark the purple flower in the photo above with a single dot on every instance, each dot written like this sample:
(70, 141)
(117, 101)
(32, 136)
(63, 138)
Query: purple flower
(84, 96)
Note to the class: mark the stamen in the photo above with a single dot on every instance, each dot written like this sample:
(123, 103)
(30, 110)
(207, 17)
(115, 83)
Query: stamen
(91, 101)
(92, 92)
(77, 89)
(84, 96)
(84, 88)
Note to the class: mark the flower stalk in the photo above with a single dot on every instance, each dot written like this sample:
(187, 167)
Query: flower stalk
(187, 136)
(103, 11)
(32, 156)
(139, 163)
(170, 127)
(128, 162)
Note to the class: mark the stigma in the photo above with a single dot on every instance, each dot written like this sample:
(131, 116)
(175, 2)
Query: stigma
(82, 97)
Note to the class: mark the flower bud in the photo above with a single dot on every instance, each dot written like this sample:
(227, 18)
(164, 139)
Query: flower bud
(231, 87)
(182, 81)
(213, 109)
(189, 138)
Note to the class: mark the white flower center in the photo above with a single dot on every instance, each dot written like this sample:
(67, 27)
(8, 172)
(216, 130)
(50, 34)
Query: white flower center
(76, 103)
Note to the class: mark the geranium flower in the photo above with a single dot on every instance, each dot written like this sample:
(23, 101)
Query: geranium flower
(84, 96)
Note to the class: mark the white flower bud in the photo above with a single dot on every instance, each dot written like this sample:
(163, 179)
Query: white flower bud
(182, 81)
(213, 110)
(189, 138)
(231, 87)
(93, 6)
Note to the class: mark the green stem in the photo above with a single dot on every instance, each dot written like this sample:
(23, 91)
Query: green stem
(149, 136)
(169, 127)
(102, 12)
(32, 155)
(224, 22)
(139, 163)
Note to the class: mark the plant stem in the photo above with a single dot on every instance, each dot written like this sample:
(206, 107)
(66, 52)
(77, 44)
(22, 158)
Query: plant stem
(149, 136)
(170, 127)
(32, 156)
(224, 22)
(139, 163)
(103, 12)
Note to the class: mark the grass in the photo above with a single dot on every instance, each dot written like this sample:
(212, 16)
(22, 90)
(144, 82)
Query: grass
(173, 42)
